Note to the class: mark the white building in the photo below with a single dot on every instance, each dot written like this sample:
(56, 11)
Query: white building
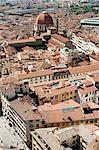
(13, 118)
(87, 92)
(2, 2)
(9, 138)
(20, 114)
(79, 137)
(67, 55)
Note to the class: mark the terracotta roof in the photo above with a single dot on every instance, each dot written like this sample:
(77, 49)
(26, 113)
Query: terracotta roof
(57, 116)
(49, 106)
(8, 90)
(44, 19)
(96, 78)
(54, 43)
(96, 57)
(84, 69)
(10, 49)
(9, 80)
(63, 90)
(3, 27)
(47, 82)
(92, 127)
(88, 89)
(45, 65)
(23, 106)
(94, 40)
(27, 48)
(88, 83)
(34, 74)
(21, 41)
(90, 104)
(52, 116)
(60, 38)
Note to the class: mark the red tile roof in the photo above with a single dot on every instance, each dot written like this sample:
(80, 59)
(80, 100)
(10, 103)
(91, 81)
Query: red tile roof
(54, 43)
(34, 74)
(88, 90)
(21, 41)
(60, 38)
(84, 69)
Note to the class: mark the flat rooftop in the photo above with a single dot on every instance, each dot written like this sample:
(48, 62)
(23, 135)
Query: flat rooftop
(8, 137)
(93, 21)
(55, 136)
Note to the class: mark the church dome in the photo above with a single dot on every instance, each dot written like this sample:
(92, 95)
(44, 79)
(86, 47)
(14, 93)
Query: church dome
(44, 19)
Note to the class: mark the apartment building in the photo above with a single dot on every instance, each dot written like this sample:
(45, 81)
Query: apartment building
(20, 113)
(80, 72)
(72, 57)
(86, 114)
(67, 55)
(78, 137)
(25, 42)
(14, 119)
(74, 73)
(44, 75)
(60, 39)
(54, 92)
(87, 92)
(24, 116)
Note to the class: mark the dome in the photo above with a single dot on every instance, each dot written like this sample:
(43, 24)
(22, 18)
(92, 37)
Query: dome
(44, 19)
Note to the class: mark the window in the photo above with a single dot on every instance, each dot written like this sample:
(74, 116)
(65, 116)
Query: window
(86, 95)
(57, 124)
(91, 121)
(74, 137)
(37, 125)
(31, 125)
(63, 94)
(51, 97)
(37, 119)
(56, 96)
(25, 82)
(73, 142)
(63, 123)
(95, 120)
